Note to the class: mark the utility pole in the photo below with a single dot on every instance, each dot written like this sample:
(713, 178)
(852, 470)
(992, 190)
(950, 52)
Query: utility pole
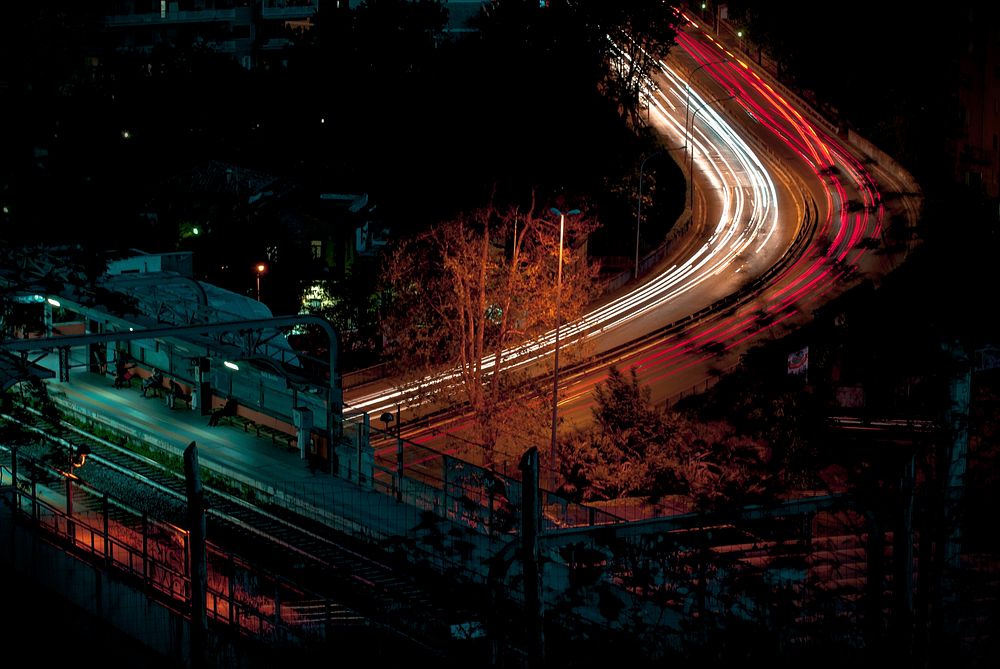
(198, 571)
(638, 215)
(530, 514)
(957, 423)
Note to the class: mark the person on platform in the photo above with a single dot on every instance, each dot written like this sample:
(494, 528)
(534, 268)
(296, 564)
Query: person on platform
(228, 409)
(123, 371)
(173, 393)
(153, 382)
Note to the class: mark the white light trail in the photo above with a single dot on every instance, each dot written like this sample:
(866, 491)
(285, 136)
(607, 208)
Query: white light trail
(746, 197)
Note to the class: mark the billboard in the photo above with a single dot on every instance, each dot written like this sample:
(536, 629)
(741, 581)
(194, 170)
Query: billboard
(798, 362)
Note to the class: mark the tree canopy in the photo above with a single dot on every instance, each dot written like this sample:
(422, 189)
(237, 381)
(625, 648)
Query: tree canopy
(638, 450)
(474, 291)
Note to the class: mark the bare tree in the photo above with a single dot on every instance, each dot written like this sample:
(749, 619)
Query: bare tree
(470, 298)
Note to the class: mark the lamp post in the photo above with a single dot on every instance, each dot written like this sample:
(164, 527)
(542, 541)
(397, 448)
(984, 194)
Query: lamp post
(555, 373)
(687, 100)
(261, 268)
(691, 153)
(638, 216)
(387, 418)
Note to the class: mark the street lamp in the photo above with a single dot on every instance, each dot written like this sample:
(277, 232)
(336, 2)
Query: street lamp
(261, 268)
(638, 216)
(387, 418)
(691, 163)
(687, 100)
(555, 373)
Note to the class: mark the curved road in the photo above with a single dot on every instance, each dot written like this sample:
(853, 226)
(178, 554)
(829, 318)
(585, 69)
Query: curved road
(784, 217)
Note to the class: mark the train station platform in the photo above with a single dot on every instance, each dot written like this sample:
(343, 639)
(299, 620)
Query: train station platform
(273, 470)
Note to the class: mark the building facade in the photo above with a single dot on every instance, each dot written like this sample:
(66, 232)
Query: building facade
(247, 30)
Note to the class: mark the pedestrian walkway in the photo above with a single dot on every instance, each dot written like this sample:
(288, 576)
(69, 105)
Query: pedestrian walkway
(274, 471)
(227, 446)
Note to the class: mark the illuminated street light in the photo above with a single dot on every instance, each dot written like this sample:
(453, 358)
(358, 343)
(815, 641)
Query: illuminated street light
(638, 216)
(79, 456)
(691, 169)
(687, 99)
(261, 268)
(555, 373)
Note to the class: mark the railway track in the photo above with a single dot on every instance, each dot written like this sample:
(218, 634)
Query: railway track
(355, 585)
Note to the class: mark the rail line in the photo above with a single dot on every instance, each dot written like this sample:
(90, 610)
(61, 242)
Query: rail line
(358, 585)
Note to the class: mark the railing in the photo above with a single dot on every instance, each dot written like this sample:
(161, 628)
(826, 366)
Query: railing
(792, 554)
(367, 375)
(154, 554)
(485, 498)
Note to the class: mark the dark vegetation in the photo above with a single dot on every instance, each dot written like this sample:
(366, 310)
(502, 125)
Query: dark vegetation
(377, 100)
(866, 70)
(92, 144)
(504, 112)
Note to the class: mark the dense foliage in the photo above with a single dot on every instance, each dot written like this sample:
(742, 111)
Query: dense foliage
(638, 450)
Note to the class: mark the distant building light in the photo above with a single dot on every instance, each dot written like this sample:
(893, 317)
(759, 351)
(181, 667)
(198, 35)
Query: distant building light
(232, 365)
(54, 302)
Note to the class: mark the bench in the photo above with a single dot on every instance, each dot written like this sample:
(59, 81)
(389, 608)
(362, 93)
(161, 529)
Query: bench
(259, 430)
(238, 421)
(277, 436)
(148, 386)
(180, 397)
(125, 380)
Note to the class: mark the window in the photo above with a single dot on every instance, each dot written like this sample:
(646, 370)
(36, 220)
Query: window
(317, 249)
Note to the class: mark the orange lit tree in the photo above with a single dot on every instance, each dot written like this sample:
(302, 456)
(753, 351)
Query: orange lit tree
(468, 295)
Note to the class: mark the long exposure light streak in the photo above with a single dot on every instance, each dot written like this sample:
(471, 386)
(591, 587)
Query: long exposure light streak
(746, 222)
(801, 226)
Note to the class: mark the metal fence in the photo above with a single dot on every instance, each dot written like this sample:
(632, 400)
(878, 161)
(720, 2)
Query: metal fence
(426, 478)
(155, 555)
